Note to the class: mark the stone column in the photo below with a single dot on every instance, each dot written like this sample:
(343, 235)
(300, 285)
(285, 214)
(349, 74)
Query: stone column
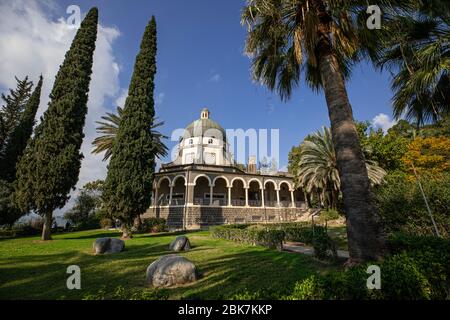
(246, 196)
(262, 197)
(229, 196)
(170, 195)
(292, 199)
(278, 197)
(190, 194)
(211, 195)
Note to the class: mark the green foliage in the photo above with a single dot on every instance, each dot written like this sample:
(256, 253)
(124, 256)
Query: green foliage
(127, 189)
(109, 129)
(49, 168)
(402, 207)
(308, 289)
(329, 215)
(14, 105)
(431, 255)
(9, 213)
(273, 235)
(153, 225)
(106, 223)
(120, 293)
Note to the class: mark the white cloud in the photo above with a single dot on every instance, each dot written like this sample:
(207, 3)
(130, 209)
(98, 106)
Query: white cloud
(160, 98)
(383, 121)
(32, 43)
(216, 78)
(120, 101)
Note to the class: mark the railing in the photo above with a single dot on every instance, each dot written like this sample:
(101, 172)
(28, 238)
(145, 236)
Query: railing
(237, 202)
(270, 203)
(220, 202)
(254, 203)
(201, 201)
(177, 202)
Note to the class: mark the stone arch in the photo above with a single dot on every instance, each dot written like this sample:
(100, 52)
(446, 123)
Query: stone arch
(254, 179)
(254, 193)
(238, 187)
(162, 179)
(220, 191)
(286, 182)
(202, 190)
(220, 177)
(163, 191)
(174, 180)
(270, 193)
(285, 194)
(240, 179)
(203, 175)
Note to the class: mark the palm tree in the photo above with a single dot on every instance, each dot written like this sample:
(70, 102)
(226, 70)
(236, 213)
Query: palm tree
(416, 48)
(108, 130)
(320, 38)
(317, 168)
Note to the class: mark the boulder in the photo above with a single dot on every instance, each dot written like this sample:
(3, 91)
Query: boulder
(108, 245)
(171, 270)
(181, 243)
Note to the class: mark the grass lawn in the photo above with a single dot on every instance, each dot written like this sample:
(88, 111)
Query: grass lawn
(31, 269)
(339, 234)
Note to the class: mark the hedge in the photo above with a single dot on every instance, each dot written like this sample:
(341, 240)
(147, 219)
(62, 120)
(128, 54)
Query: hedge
(273, 235)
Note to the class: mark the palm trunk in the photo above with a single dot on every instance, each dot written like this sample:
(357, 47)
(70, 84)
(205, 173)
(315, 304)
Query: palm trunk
(46, 228)
(366, 238)
(365, 234)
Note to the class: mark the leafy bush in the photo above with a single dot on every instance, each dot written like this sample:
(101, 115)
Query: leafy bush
(328, 215)
(273, 235)
(432, 257)
(31, 227)
(402, 206)
(153, 225)
(310, 288)
(106, 223)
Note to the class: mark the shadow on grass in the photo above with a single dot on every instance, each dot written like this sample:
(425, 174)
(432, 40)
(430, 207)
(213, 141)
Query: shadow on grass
(225, 269)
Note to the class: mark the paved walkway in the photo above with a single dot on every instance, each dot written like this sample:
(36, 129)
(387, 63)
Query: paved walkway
(298, 247)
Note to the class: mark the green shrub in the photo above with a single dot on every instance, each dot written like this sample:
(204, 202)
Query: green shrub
(310, 288)
(432, 257)
(402, 207)
(153, 225)
(328, 215)
(120, 293)
(401, 279)
(106, 223)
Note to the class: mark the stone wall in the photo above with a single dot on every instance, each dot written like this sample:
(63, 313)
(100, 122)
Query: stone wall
(204, 216)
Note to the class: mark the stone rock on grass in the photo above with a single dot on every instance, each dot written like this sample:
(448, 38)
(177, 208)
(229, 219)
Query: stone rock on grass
(181, 243)
(108, 245)
(171, 270)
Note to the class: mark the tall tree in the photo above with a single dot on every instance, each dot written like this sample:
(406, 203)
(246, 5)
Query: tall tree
(416, 49)
(108, 129)
(49, 168)
(128, 183)
(16, 143)
(321, 38)
(14, 105)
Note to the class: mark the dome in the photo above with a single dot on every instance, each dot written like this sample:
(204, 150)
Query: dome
(205, 127)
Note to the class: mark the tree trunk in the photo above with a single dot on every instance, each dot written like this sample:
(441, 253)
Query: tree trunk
(46, 228)
(126, 231)
(366, 238)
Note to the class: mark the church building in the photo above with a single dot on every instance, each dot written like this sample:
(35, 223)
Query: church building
(203, 186)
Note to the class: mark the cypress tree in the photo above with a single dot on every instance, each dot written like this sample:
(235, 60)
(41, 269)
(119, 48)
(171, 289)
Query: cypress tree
(49, 168)
(128, 183)
(18, 138)
(12, 110)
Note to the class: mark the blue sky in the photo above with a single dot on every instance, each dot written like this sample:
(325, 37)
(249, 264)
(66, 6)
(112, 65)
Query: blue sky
(201, 63)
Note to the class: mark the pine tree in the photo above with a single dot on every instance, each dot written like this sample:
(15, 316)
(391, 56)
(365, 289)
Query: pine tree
(14, 105)
(49, 168)
(17, 141)
(130, 172)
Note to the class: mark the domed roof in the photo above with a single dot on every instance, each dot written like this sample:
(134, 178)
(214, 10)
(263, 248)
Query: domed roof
(205, 127)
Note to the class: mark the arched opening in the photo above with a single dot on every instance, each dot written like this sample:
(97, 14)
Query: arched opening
(238, 193)
(254, 194)
(285, 195)
(163, 192)
(220, 192)
(201, 191)
(270, 194)
(299, 198)
(178, 191)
